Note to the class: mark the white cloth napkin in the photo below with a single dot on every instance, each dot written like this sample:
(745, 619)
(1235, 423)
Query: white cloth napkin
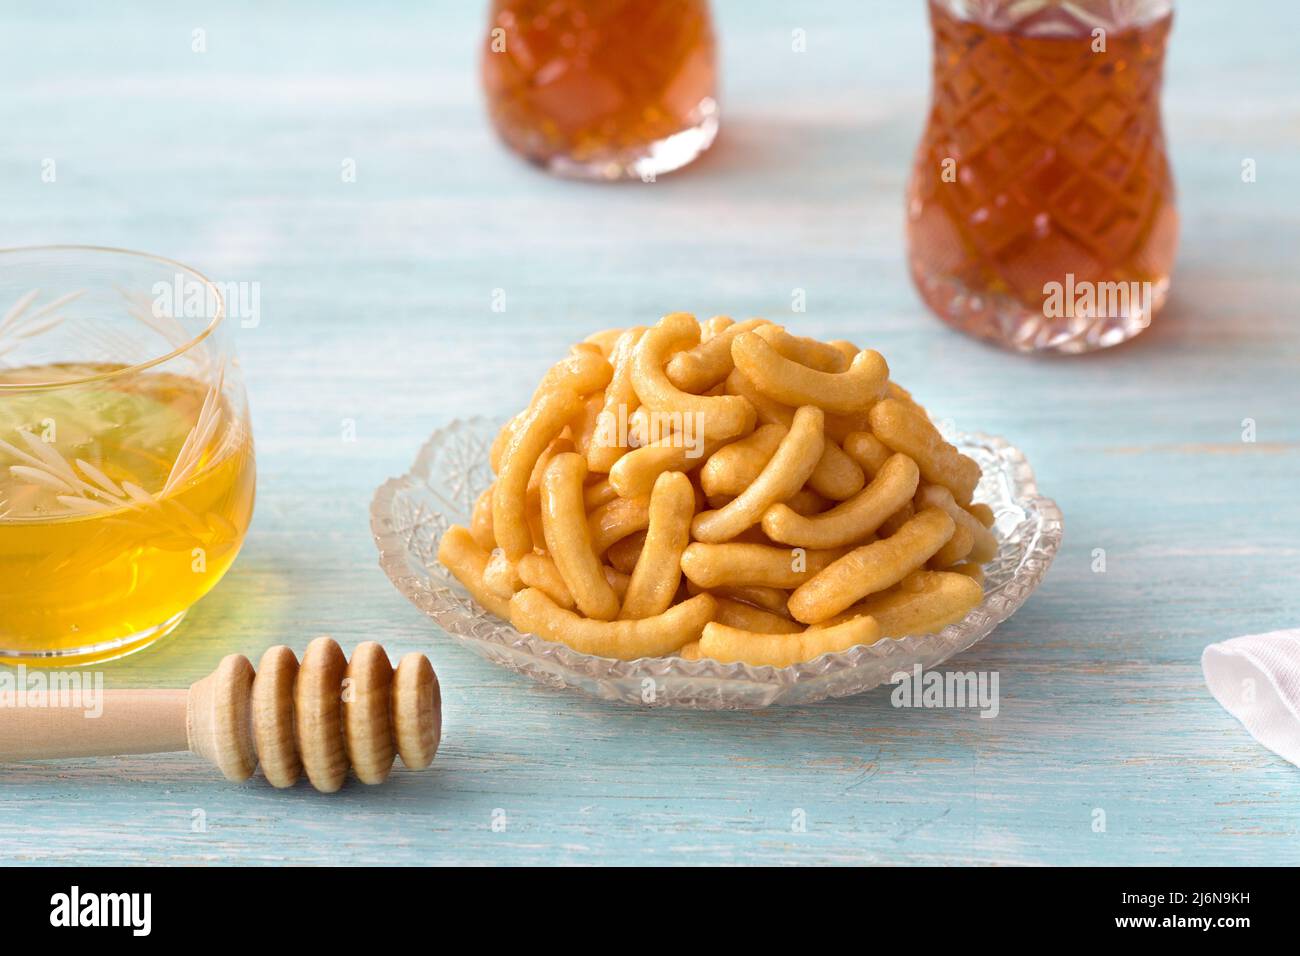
(1257, 679)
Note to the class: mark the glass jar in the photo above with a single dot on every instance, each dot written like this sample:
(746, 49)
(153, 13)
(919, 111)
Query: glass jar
(602, 89)
(1040, 212)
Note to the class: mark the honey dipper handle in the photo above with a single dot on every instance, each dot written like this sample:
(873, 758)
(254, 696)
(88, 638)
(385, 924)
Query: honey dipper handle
(112, 722)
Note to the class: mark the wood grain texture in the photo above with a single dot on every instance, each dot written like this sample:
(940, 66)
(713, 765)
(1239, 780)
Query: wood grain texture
(376, 309)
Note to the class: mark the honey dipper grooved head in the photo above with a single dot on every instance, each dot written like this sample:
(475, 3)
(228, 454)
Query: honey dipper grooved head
(217, 720)
(318, 714)
(321, 716)
(366, 722)
(273, 731)
(417, 711)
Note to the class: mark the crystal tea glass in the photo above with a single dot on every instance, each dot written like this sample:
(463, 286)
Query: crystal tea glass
(1040, 213)
(126, 459)
(602, 89)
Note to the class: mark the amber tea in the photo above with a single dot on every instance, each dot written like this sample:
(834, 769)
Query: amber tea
(602, 90)
(1043, 168)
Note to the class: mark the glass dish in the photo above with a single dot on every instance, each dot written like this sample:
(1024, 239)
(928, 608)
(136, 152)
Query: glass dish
(410, 513)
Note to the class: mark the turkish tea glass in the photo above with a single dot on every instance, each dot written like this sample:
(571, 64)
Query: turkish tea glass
(602, 89)
(1040, 212)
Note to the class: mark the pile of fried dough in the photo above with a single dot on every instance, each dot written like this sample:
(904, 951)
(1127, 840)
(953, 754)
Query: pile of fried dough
(723, 490)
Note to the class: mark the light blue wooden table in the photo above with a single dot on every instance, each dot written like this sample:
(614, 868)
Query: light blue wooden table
(376, 307)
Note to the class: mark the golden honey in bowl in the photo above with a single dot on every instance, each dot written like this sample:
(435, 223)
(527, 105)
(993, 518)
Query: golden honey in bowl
(122, 504)
(127, 481)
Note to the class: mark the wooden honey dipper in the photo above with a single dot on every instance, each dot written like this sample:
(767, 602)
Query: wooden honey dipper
(321, 716)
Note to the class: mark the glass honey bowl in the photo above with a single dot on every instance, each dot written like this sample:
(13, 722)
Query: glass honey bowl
(126, 458)
(602, 89)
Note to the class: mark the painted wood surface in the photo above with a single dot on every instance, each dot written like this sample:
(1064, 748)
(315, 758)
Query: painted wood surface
(376, 308)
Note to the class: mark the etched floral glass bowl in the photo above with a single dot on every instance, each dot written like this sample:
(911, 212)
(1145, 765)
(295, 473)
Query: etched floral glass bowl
(410, 513)
(127, 474)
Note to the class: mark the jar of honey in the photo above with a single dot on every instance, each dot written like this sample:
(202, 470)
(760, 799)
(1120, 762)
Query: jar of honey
(602, 89)
(1040, 212)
